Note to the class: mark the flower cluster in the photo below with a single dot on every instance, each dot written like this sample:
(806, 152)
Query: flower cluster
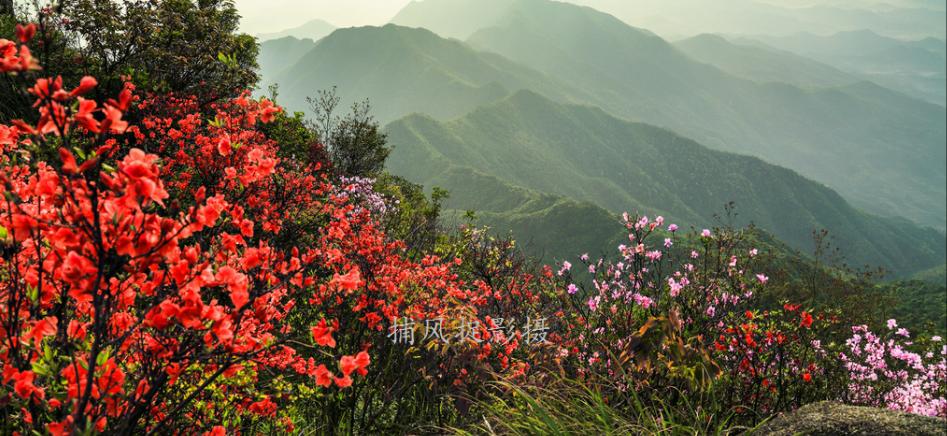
(363, 191)
(651, 294)
(893, 371)
(774, 359)
(136, 284)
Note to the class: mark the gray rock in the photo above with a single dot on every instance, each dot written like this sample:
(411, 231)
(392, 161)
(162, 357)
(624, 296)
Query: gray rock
(828, 418)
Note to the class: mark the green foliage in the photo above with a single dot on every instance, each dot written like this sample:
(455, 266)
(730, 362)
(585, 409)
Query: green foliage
(178, 46)
(918, 306)
(296, 140)
(415, 219)
(936, 275)
(356, 145)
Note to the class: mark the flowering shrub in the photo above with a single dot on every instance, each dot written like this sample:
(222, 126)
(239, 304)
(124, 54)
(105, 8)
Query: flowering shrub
(135, 287)
(656, 306)
(775, 360)
(166, 266)
(893, 371)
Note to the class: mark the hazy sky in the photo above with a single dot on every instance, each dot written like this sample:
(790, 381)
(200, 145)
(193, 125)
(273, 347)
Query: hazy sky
(669, 18)
(260, 16)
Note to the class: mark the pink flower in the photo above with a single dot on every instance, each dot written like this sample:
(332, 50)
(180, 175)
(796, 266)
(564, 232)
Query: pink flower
(892, 323)
(762, 278)
(593, 303)
(706, 233)
(566, 267)
(672, 228)
(572, 289)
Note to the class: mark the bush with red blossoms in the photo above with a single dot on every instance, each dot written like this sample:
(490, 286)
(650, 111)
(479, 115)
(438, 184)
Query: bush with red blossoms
(774, 360)
(893, 370)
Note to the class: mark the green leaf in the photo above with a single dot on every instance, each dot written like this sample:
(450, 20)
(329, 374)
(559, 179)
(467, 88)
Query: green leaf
(102, 357)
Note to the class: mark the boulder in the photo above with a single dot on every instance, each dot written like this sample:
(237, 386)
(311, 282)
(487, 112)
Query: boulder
(829, 418)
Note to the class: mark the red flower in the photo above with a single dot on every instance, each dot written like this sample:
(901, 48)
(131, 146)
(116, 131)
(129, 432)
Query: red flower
(224, 146)
(323, 376)
(113, 120)
(350, 281)
(85, 85)
(216, 431)
(323, 335)
(69, 165)
(343, 382)
(43, 328)
(807, 377)
(236, 283)
(806, 319)
(347, 365)
(25, 33)
(23, 385)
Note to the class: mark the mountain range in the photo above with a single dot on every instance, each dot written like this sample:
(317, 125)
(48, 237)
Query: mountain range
(915, 67)
(584, 154)
(402, 71)
(883, 151)
(903, 19)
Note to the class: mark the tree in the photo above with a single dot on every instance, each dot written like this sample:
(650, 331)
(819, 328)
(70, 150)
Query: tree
(6, 7)
(182, 47)
(356, 145)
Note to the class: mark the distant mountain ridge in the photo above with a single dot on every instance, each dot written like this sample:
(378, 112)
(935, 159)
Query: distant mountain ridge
(763, 64)
(582, 153)
(404, 70)
(917, 68)
(875, 146)
(313, 29)
(883, 151)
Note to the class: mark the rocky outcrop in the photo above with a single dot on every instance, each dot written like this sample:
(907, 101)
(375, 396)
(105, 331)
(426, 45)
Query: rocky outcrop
(828, 418)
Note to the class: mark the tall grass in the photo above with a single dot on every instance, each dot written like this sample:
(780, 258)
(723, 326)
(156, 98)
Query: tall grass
(572, 407)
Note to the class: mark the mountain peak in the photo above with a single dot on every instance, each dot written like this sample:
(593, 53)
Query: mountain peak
(312, 29)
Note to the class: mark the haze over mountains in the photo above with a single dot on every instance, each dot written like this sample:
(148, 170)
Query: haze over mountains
(916, 67)
(542, 155)
(670, 18)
